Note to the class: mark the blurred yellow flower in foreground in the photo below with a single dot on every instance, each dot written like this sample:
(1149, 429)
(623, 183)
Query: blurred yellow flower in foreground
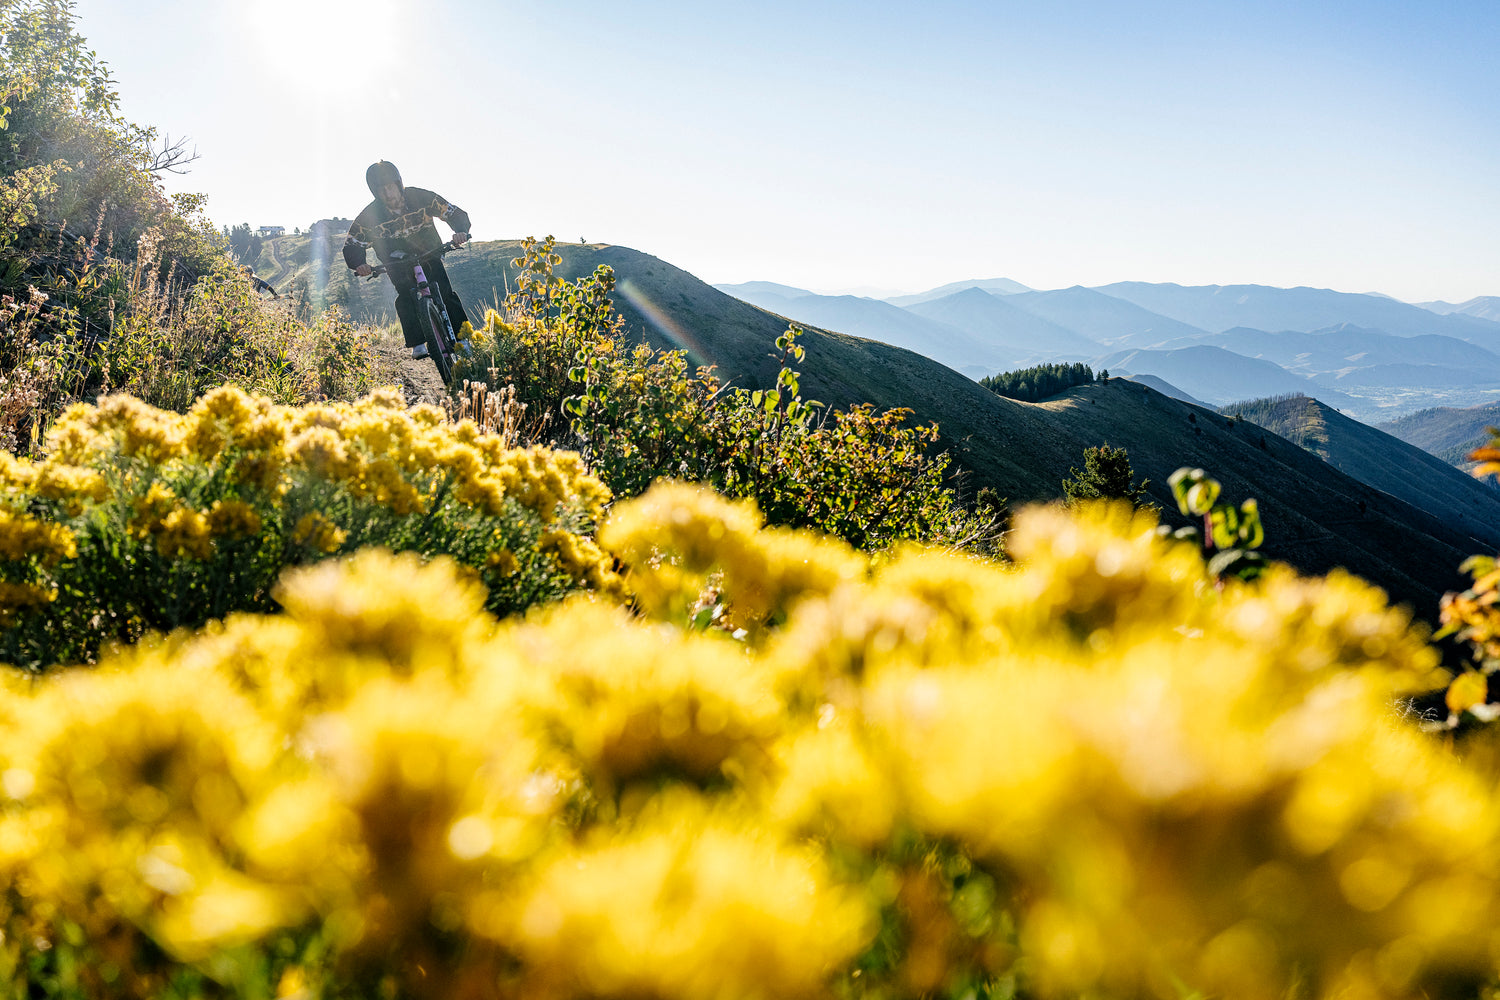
(1091, 773)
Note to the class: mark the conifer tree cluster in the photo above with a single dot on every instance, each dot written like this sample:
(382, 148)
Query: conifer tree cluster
(1032, 385)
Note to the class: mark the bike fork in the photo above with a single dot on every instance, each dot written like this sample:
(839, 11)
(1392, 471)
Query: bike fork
(424, 291)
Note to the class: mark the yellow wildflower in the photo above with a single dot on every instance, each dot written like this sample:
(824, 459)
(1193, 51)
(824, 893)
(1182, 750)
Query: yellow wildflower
(668, 911)
(322, 452)
(152, 508)
(184, 533)
(70, 484)
(23, 536)
(143, 430)
(21, 597)
(233, 519)
(502, 561)
(317, 532)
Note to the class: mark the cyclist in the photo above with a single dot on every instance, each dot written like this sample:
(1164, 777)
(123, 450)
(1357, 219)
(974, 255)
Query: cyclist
(261, 284)
(398, 223)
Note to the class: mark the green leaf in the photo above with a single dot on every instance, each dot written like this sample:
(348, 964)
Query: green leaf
(1252, 534)
(1202, 495)
(1225, 523)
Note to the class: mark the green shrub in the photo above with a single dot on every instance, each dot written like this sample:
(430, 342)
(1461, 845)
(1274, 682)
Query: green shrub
(638, 415)
(1106, 475)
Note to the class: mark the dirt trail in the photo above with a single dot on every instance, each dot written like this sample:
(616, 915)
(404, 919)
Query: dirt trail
(283, 268)
(419, 379)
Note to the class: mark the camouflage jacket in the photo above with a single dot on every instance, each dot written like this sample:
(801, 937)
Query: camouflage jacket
(411, 232)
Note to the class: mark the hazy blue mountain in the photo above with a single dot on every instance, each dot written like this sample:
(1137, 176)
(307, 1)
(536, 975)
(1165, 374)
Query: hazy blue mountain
(876, 320)
(1217, 308)
(747, 289)
(1166, 388)
(1104, 318)
(1482, 307)
(1342, 351)
(993, 320)
(1216, 375)
(1000, 286)
(1405, 376)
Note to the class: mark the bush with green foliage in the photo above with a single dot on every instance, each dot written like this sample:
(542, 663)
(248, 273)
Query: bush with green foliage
(1031, 385)
(1106, 475)
(78, 177)
(638, 415)
(1229, 535)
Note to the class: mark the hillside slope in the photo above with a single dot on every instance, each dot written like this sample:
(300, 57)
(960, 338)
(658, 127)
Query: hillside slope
(1448, 432)
(1316, 517)
(1374, 457)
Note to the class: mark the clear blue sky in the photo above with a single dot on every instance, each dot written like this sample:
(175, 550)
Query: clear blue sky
(841, 146)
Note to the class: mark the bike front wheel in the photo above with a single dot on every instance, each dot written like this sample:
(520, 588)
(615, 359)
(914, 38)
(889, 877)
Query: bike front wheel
(437, 342)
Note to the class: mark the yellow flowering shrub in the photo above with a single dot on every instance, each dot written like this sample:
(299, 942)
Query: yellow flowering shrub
(140, 519)
(1095, 772)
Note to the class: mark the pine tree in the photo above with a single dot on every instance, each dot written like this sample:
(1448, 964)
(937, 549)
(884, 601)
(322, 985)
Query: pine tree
(1106, 475)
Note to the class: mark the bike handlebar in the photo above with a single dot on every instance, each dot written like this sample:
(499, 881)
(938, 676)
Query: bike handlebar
(380, 269)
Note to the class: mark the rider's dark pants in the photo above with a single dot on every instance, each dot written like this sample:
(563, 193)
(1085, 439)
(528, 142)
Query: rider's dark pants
(437, 278)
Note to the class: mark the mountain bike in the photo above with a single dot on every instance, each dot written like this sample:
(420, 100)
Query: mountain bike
(431, 310)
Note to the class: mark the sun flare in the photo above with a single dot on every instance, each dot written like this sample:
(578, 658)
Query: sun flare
(316, 44)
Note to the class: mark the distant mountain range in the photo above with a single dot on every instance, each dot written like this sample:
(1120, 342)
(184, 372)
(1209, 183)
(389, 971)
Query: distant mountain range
(997, 286)
(1216, 375)
(1369, 355)
(1483, 307)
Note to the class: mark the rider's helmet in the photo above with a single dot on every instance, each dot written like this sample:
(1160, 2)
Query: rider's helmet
(379, 174)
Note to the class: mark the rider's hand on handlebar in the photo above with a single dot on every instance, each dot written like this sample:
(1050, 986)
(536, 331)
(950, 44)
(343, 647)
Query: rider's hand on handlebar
(459, 239)
(363, 270)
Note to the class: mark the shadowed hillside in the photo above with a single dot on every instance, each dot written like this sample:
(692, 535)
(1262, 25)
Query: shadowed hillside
(1374, 457)
(1448, 432)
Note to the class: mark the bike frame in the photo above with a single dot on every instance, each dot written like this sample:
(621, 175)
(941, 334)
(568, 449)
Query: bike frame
(422, 293)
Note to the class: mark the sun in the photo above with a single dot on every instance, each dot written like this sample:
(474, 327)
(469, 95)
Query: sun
(315, 45)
